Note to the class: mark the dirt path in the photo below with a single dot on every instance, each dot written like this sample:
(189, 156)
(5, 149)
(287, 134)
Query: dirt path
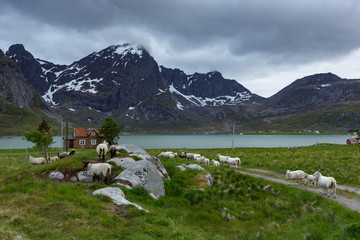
(349, 203)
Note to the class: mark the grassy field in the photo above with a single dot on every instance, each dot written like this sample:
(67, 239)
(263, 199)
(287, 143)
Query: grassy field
(235, 207)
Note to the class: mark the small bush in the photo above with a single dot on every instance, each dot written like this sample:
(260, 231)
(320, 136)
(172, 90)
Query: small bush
(351, 231)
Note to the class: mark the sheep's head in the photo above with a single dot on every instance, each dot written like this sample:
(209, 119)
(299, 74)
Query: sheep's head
(317, 175)
(85, 164)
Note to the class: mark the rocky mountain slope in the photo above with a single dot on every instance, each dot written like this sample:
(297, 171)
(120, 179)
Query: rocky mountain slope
(14, 88)
(315, 91)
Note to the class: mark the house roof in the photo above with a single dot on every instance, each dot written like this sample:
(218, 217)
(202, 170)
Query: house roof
(85, 132)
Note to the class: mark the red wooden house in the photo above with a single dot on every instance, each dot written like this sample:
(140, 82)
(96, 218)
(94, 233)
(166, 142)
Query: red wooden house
(84, 138)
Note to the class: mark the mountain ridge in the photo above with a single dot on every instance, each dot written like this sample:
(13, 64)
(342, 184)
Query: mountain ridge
(125, 81)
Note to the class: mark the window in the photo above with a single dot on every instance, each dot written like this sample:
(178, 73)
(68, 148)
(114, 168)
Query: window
(93, 133)
(82, 142)
(93, 141)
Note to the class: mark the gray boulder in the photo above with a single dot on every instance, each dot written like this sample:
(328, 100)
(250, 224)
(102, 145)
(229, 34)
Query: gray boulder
(141, 153)
(195, 166)
(85, 176)
(143, 173)
(56, 175)
(73, 179)
(122, 162)
(117, 195)
(209, 179)
(181, 167)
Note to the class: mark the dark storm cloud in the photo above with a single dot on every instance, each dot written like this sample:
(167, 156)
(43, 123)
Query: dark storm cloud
(227, 35)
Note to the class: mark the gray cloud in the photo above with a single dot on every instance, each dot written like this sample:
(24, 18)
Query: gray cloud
(245, 40)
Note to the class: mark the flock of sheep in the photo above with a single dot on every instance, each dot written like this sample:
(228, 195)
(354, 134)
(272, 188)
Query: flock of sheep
(231, 162)
(326, 184)
(42, 160)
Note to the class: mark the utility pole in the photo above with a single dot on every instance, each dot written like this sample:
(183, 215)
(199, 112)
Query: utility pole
(67, 137)
(62, 135)
(233, 136)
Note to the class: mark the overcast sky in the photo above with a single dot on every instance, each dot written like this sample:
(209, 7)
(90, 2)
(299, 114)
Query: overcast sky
(263, 44)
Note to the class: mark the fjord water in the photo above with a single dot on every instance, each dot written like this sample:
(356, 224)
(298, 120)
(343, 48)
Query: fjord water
(200, 141)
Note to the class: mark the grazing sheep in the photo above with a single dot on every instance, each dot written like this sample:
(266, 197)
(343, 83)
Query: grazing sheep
(168, 154)
(182, 155)
(66, 154)
(310, 179)
(223, 159)
(99, 169)
(190, 156)
(295, 175)
(112, 150)
(234, 161)
(216, 163)
(102, 149)
(36, 161)
(326, 184)
(54, 158)
(196, 155)
(165, 154)
(207, 161)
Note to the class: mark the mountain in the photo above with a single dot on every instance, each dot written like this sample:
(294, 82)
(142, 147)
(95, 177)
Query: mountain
(14, 89)
(315, 91)
(126, 80)
(210, 89)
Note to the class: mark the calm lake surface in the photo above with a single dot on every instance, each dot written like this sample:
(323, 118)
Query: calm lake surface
(200, 141)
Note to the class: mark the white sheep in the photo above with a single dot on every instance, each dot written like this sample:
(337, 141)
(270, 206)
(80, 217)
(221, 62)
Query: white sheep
(206, 161)
(310, 179)
(190, 156)
(54, 158)
(223, 159)
(36, 161)
(234, 161)
(171, 155)
(165, 154)
(216, 163)
(326, 184)
(295, 175)
(196, 155)
(99, 169)
(102, 149)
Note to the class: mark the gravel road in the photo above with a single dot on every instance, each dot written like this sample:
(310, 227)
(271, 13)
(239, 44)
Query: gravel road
(349, 203)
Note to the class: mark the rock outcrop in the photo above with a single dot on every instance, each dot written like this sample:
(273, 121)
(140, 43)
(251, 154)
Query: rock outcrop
(117, 195)
(145, 174)
(122, 162)
(141, 153)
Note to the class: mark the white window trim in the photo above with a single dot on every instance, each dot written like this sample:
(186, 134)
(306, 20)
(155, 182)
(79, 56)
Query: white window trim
(93, 141)
(93, 133)
(82, 142)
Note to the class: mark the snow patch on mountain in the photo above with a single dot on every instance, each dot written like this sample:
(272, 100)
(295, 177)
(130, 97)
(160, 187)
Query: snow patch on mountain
(84, 85)
(217, 101)
(125, 49)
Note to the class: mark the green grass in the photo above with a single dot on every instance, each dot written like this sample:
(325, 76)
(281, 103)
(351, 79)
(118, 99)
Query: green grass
(34, 207)
(338, 161)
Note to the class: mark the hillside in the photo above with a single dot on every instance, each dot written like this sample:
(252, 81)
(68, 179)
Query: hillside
(35, 206)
